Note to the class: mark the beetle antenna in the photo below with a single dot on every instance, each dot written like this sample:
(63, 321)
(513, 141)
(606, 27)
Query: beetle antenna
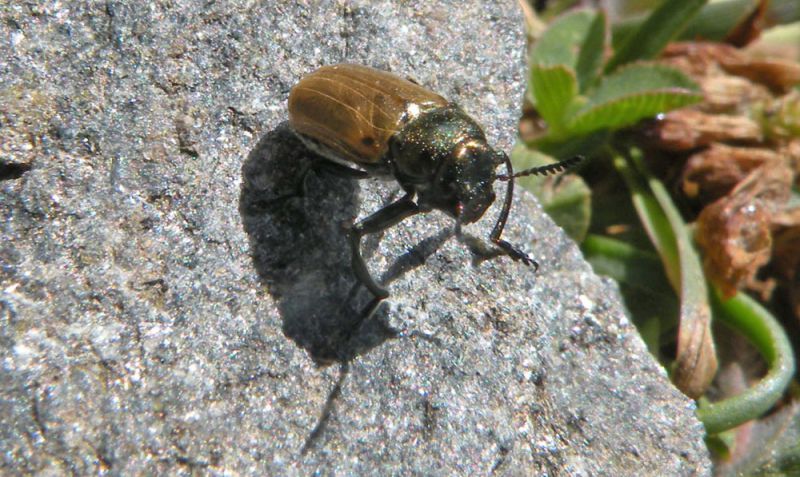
(554, 168)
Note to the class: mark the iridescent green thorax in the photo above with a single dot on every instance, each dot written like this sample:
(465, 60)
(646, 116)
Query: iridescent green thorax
(419, 148)
(443, 155)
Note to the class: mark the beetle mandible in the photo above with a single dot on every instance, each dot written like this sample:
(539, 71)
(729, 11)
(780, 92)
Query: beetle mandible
(385, 125)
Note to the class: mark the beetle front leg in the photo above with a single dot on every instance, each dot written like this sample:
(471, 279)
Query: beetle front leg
(386, 217)
(510, 250)
(515, 253)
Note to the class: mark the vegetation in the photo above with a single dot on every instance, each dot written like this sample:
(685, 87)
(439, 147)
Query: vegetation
(690, 198)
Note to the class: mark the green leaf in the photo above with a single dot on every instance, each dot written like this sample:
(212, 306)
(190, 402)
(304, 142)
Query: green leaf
(631, 94)
(566, 198)
(576, 40)
(665, 23)
(554, 89)
(561, 42)
(641, 77)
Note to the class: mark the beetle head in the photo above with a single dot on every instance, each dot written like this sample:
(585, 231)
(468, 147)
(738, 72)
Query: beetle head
(465, 182)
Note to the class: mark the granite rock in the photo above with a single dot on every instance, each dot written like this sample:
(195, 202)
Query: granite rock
(168, 307)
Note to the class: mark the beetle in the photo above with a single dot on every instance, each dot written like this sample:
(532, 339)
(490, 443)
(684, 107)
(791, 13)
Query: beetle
(370, 122)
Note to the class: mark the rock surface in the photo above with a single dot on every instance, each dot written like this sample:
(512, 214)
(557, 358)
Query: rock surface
(161, 314)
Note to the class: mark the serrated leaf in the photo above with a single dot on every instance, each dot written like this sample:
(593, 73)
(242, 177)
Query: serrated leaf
(554, 88)
(629, 110)
(641, 77)
(576, 40)
(566, 198)
(631, 94)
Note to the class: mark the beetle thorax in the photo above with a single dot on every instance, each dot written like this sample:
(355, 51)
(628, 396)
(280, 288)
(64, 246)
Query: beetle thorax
(443, 156)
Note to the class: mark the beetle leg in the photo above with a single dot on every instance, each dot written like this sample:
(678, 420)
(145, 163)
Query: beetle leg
(386, 217)
(516, 254)
(367, 312)
(497, 231)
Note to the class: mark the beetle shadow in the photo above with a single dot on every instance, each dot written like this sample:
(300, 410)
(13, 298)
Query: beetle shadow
(297, 229)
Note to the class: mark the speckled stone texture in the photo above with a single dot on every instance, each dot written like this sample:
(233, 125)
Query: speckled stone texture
(161, 313)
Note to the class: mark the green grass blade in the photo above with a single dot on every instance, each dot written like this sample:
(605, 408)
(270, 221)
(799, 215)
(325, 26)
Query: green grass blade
(653, 220)
(664, 24)
(745, 315)
(716, 20)
(695, 363)
(625, 263)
